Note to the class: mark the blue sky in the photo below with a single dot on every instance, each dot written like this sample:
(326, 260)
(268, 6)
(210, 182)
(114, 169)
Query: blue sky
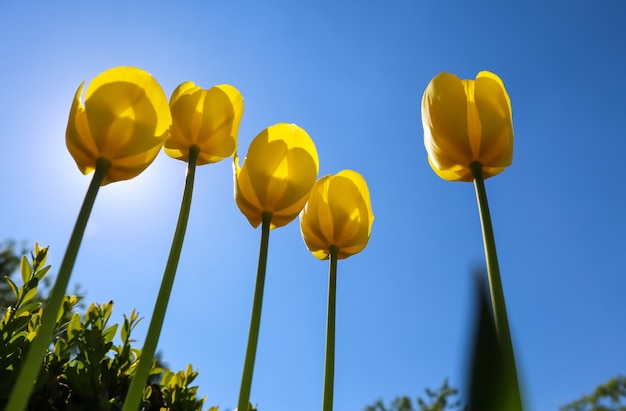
(352, 74)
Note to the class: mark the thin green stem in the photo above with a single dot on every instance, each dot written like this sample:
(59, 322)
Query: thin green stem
(255, 321)
(135, 391)
(32, 365)
(329, 366)
(495, 283)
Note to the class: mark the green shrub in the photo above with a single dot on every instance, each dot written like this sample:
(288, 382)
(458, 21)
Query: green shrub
(83, 368)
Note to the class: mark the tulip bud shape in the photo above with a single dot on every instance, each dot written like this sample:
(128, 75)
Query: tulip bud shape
(277, 174)
(124, 119)
(337, 214)
(208, 119)
(465, 122)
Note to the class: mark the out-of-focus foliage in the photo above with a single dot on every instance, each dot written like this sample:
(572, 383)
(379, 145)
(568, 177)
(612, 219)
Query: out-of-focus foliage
(445, 398)
(83, 369)
(9, 263)
(610, 396)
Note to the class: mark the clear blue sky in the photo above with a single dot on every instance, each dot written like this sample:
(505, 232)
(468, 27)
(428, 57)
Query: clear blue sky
(352, 74)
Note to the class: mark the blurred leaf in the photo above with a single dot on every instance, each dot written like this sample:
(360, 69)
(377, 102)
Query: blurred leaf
(25, 270)
(41, 254)
(31, 290)
(491, 376)
(74, 326)
(109, 333)
(13, 286)
(28, 308)
(41, 273)
(610, 396)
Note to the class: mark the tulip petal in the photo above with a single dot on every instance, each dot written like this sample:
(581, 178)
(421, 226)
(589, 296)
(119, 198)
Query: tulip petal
(467, 121)
(83, 150)
(494, 110)
(188, 87)
(208, 119)
(277, 175)
(125, 119)
(444, 116)
(245, 197)
(337, 214)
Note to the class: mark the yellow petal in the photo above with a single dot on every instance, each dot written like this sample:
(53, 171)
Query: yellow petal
(467, 121)
(444, 116)
(245, 197)
(187, 87)
(83, 150)
(494, 110)
(338, 214)
(125, 119)
(208, 119)
(277, 175)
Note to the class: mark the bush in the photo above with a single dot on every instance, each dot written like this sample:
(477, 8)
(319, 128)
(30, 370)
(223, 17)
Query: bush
(83, 369)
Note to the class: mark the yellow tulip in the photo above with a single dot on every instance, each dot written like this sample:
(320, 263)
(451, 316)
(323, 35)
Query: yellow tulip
(208, 119)
(465, 122)
(338, 214)
(277, 175)
(124, 119)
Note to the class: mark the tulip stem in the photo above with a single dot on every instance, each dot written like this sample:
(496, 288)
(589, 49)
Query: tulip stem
(495, 284)
(255, 321)
(135, 391)
(329, 366)
(32, 365)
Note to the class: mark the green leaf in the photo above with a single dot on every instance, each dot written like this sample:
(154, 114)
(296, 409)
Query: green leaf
(74, 326)
(27, 308)
(41, 255)
(25, 270)
(109, 333)
(32, 290)
(41, 273)
(13, 286)
(125, 331)
(492, 376)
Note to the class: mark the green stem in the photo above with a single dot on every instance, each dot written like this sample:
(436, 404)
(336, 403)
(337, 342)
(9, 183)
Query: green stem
(135, 391)
(255, 321)
(32, 365)
(495, 283)
(329, 366)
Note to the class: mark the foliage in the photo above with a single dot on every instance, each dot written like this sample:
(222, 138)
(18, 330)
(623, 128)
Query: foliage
(9, 263)
(445, 398)
(83, 369)
(610, 396)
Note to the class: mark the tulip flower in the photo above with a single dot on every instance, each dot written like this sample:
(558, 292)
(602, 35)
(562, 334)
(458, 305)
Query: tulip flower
(208, 119)
(335, 224)
(205, 124)
(271, 188)
(466, 122)
(468, 134)
(338, 213)
(124, 120)
(277, 175)
(117, 132)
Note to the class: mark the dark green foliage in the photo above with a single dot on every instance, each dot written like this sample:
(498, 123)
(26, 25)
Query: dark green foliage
(445, 398)
(9, 263)
(610, 396)
(84, 369)
(492, 385)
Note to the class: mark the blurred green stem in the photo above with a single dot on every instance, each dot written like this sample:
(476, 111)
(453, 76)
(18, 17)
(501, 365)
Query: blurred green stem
(495, 282)
(32, 365)
(135, 391)
(255, 321)
(329, 366)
